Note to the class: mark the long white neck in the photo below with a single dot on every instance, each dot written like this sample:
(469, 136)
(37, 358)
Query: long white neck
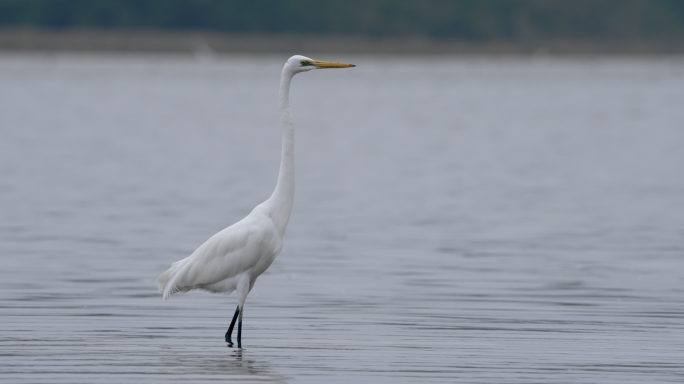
(279, 205)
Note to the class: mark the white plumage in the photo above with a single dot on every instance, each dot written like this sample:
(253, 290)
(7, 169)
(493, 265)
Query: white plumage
(233, 258)
(247, 248)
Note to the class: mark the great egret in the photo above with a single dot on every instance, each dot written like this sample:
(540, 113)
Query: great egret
(233, 258)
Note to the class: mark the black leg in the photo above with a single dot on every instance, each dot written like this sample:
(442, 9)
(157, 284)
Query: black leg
(232, 325)
(240, 329)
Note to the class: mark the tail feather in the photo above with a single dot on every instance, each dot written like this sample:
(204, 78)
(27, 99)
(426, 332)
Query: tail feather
(167, 281)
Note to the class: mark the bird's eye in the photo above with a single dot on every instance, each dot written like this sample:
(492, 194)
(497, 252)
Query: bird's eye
(305, 63)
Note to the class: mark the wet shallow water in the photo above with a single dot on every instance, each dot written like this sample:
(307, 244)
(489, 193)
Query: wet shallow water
(456, 220)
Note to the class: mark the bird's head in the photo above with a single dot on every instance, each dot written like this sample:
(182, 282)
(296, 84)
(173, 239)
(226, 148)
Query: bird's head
(298, 63)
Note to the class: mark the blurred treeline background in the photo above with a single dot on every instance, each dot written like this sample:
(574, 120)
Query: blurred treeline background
(471, 22)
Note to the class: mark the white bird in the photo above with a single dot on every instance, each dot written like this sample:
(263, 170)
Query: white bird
(233, 258)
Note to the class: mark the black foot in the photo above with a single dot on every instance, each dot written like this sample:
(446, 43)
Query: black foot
(232, 324)
(240, 331)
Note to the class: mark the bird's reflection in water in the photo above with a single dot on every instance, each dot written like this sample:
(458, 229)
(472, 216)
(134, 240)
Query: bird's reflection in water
(235, 364)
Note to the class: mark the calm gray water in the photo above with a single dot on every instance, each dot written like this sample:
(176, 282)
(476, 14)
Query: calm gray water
(472, 220)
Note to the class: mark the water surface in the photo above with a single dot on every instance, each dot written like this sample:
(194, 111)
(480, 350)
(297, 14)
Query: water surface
(471, 220)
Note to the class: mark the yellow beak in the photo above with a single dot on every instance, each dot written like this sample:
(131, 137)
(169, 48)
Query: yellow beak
(330, 64)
